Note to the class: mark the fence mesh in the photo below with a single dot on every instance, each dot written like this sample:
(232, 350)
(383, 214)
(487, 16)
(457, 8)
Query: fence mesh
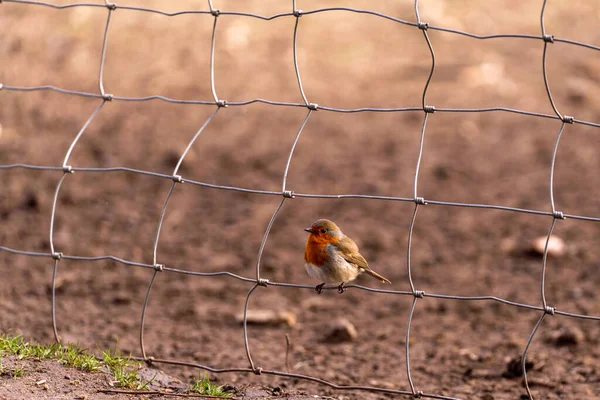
(544, 309)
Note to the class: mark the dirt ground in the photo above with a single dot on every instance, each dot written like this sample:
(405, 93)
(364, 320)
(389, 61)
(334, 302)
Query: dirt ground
(49, 379)
(347, 60)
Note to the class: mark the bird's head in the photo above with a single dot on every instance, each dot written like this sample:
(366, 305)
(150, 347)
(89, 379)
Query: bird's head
(324, 230)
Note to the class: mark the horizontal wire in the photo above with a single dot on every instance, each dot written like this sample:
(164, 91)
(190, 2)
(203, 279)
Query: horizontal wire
(315, 11)
(293, 285)
(301, 195)
(299, 105)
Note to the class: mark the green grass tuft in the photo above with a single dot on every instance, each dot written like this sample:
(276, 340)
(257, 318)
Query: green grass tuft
(123, 369)
(70, 355)
(204, 387)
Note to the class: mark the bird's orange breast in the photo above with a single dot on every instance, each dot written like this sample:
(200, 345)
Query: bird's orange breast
(315, 252)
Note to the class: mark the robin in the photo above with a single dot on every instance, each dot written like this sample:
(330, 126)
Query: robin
(333, 257)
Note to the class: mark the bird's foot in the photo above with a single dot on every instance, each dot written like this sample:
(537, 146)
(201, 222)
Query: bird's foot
(319, 288)
(341, 288)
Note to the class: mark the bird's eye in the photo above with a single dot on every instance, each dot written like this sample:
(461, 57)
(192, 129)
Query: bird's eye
(323, 230)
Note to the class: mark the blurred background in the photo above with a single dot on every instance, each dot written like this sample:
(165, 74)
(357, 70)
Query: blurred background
(346, 60)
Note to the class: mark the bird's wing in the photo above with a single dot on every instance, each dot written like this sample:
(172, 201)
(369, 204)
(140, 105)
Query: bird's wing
(349, 251)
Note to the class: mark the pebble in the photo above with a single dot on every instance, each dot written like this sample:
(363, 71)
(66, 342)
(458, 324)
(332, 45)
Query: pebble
(556, 246)
(268, 317)
(340, 331)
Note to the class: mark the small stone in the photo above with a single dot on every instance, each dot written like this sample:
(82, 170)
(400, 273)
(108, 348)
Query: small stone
(268, 317)
(314, 303)
(567, 336)
(341, 330)
(556, 246)
(468, 354)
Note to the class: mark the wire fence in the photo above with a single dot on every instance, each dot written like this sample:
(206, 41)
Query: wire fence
(556, 215)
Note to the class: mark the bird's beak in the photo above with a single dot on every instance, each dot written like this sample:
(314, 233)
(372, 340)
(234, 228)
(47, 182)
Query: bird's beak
(309, 230)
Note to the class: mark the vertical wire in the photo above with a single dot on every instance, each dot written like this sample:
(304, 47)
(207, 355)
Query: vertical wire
(246, 345)
(552, 166)
(212, 56)
(53, 301)
(103, 52)
(524, 357)
(547, 39)
(78, 136)
(419, 156)
(264, 240)
(295, 52)
(143, 318)
(410, 315)
(289, 160)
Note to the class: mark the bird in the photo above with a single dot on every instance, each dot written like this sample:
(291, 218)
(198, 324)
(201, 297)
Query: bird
(332, 257)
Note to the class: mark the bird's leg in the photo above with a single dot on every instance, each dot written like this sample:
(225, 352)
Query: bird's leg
(319, 288)
(341, 288)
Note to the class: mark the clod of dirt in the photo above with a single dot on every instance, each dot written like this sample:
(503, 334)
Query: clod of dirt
(567, 336)
(556, 246)
(30, 201)
(159, 380)
(268, 317)
(341, 330)
(514, 367)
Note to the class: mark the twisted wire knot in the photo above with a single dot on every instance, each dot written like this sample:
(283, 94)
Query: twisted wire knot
(429, 109)
(567, 119)
(67, 169)
(257, 371)
(548, 38)
(423, 26)
(158, 267)
(312, 106)
(57, 255)
(420, 200)
(216, 12)
(107, 97)
(419, 294)
(263, 282)
(177, 179)
(549, 310)
(222, 103)
(558, 215)
(298, 13)
(418, 394)
(288, 194)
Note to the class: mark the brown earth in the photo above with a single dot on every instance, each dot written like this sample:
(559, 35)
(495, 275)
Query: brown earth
(457, 348)
(49, 379)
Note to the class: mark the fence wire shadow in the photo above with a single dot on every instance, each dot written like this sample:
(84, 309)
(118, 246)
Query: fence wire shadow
(544, 309)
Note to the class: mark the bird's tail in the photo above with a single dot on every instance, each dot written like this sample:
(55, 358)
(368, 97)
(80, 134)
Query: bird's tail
(376, 275)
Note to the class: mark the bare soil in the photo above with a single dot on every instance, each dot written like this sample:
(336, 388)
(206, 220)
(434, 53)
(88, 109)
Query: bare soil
(457, 348)
(49, 379)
